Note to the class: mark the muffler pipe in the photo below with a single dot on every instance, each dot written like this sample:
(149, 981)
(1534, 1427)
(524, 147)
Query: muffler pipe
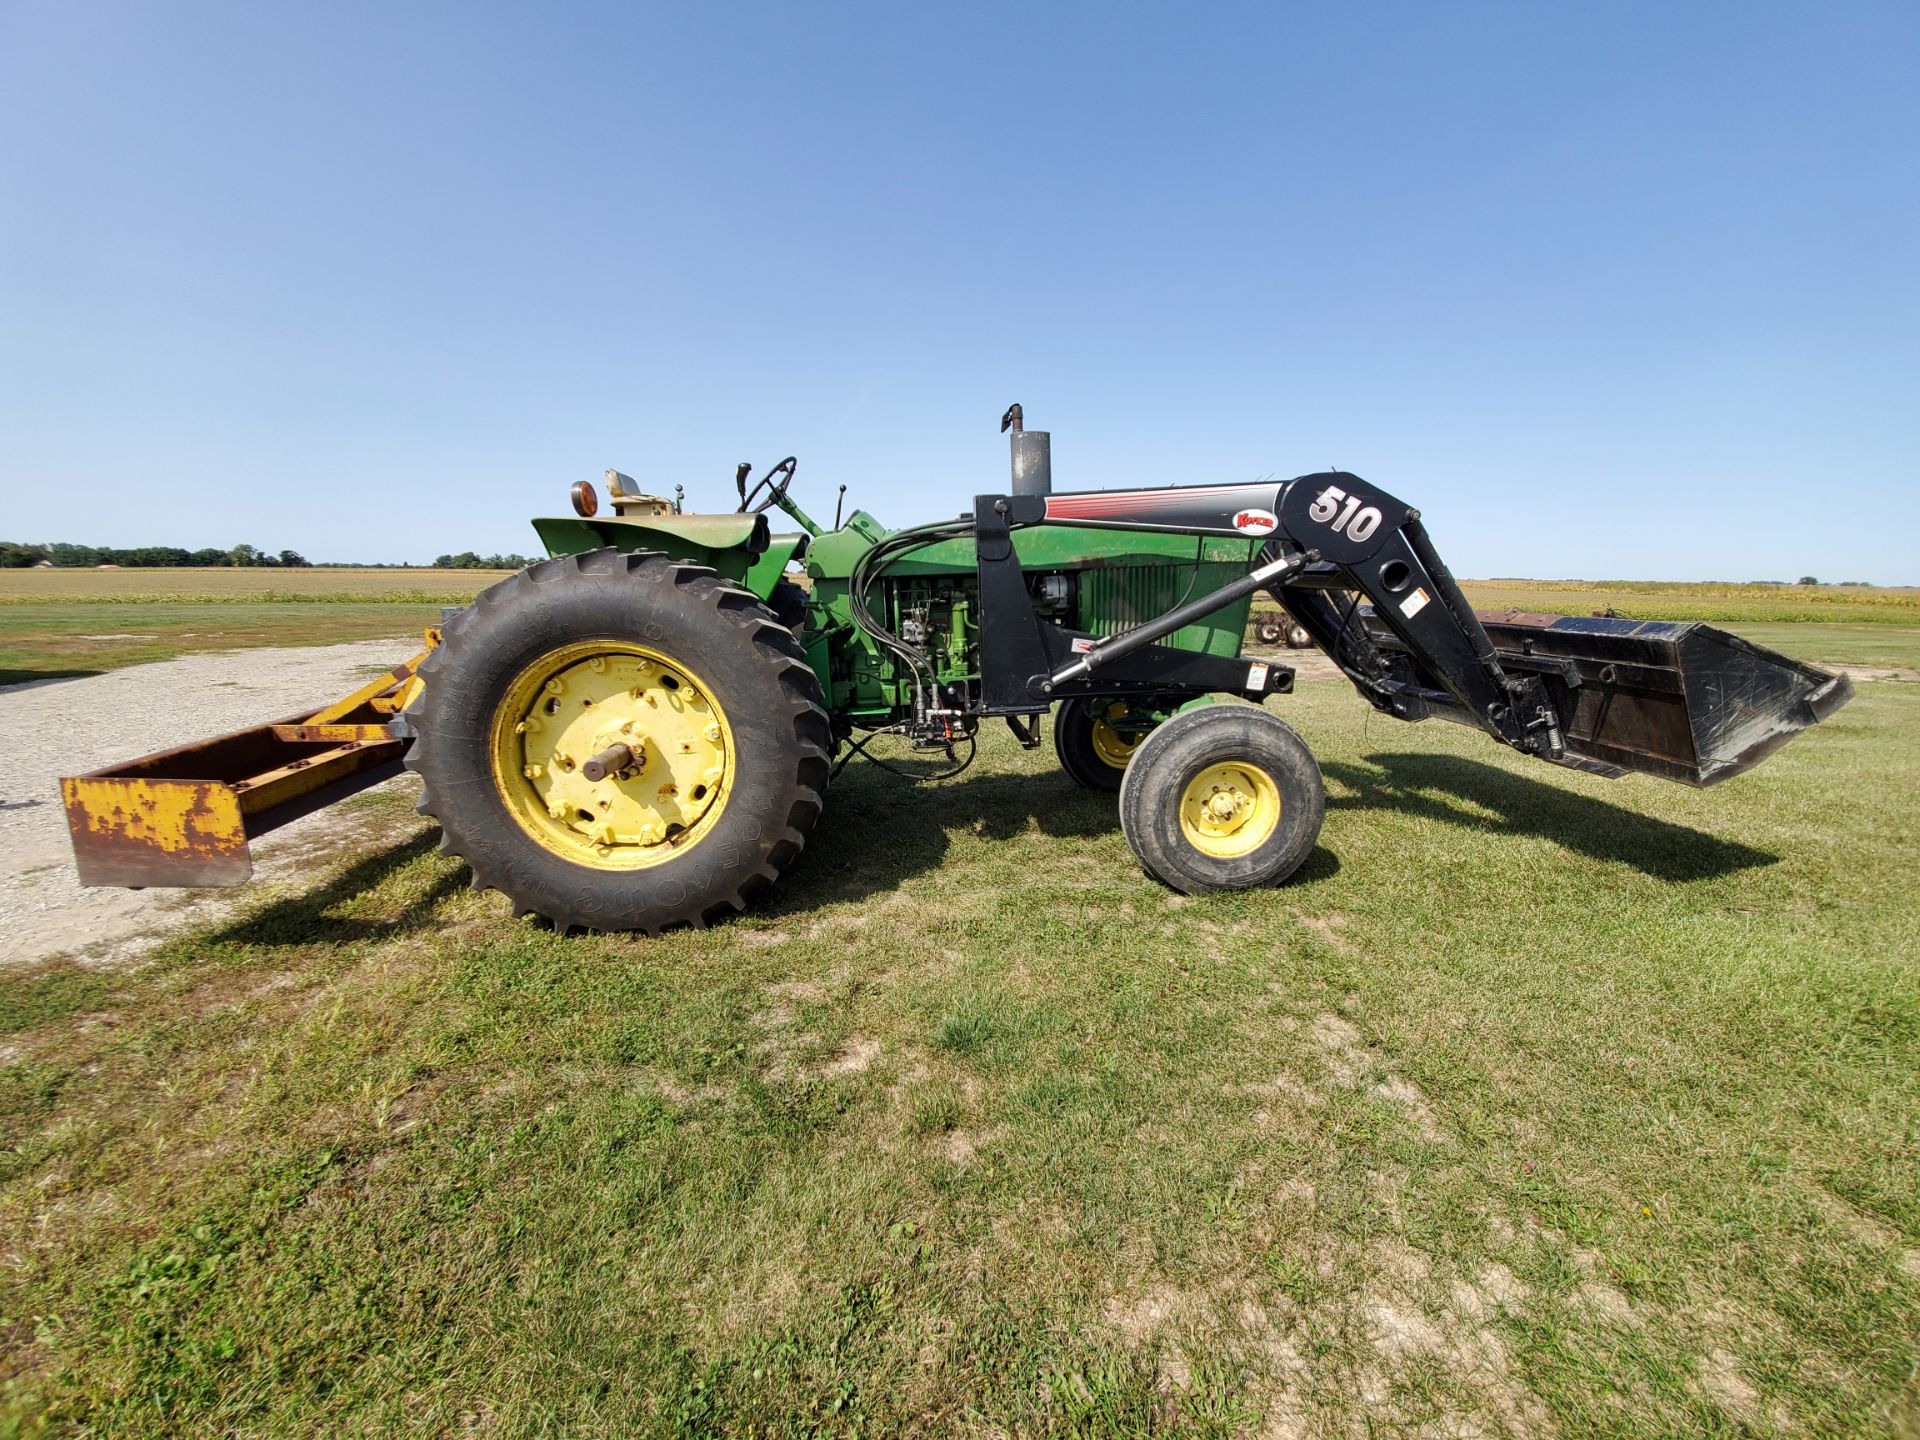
(1032, 455)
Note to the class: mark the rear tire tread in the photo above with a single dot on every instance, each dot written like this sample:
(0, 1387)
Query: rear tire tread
(772, 643)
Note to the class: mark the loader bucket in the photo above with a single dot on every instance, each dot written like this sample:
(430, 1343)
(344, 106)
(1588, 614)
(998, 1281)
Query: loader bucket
(1681, 700)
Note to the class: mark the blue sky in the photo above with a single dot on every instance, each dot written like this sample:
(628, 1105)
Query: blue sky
(1621, 290)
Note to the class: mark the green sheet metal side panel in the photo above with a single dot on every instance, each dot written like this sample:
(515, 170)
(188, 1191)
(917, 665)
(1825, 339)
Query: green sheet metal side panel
(1125, 576)
(833, 555)
(1119, 597)
(1064, 547)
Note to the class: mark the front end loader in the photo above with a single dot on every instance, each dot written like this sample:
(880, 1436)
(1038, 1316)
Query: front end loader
(640, 731)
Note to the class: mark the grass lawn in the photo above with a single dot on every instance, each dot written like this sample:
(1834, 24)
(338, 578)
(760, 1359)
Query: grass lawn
(1535, 1105)
(1890, 645)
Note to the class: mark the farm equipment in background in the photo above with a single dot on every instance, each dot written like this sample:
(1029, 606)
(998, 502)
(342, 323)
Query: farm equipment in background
(1272, 627)
(640, 732)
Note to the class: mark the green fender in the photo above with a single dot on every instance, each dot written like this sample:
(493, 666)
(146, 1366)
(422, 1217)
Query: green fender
(740, 547)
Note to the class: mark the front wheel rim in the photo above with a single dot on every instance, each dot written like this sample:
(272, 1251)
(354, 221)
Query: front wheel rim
(1230, 809)
(652, 723)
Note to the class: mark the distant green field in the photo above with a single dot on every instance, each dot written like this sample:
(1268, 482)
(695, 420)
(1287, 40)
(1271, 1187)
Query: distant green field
(242, 587)
(43, 642)
(80, 622)
(1891, 645)
(1712, 601)
(1832, 625)
(1654, 600)
(57, 623)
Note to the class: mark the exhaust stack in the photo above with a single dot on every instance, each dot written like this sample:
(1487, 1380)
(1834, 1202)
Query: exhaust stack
(1032, 455)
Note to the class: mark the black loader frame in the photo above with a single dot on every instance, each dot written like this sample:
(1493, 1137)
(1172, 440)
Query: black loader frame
(1355, 567)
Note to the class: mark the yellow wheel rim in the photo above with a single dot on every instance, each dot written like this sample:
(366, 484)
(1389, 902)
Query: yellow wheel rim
(646, 720)
(1230, 809)
(1114, 747)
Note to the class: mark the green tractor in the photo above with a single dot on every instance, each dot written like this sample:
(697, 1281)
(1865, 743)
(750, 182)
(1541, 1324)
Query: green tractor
(641, 731)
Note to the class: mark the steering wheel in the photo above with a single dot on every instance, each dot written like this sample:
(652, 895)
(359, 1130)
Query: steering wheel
(775, 482)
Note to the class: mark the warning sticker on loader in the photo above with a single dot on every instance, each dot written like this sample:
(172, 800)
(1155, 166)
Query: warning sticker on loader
(1414, 603)
(1081, 647)
(1257, 676)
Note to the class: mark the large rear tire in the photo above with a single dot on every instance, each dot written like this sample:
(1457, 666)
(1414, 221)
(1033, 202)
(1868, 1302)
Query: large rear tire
(1226, 797)
(620, 741)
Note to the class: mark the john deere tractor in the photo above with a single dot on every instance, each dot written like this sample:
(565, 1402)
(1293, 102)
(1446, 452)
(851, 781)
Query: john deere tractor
(641, 731)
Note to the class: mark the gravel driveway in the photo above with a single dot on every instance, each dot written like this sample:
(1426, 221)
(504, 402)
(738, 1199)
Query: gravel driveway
(66, 727)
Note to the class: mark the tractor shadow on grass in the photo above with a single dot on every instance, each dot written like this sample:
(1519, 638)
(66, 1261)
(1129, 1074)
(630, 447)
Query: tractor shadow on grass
(879, 831)
(876, 832)
(322, 915)
(1430, 785)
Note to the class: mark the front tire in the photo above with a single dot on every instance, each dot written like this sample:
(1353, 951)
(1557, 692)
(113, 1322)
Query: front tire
(620, 741)
(1227, 797)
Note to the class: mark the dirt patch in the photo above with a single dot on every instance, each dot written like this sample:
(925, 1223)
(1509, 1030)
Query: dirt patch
(858, 1055)
(1412, 1099)
(1720, 1377)
(1327, 928)
(1607, 1303)
(1403, 1319)
(1869, 1231)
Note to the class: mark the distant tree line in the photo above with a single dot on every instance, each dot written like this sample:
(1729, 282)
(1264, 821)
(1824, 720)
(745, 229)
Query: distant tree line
(467, 560)
(17, 556)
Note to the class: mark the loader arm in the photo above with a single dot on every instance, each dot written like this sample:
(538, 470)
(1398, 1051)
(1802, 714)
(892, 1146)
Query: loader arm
(1357, 568)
